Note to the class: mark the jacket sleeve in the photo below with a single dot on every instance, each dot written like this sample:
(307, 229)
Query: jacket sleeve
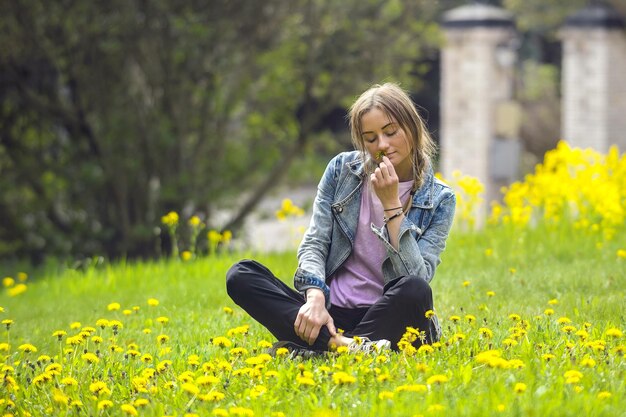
(315, 245)
(419, 250)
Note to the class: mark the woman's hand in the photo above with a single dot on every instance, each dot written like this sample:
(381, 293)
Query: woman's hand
(312, 316)
(385, 183)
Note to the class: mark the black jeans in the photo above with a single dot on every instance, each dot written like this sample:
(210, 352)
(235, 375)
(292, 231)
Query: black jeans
(275, 305)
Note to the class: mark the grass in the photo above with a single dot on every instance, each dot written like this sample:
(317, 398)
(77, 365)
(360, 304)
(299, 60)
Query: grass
(534, 365)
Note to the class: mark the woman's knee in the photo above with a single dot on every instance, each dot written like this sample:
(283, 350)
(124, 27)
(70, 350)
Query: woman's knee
(412, 289)
(238, 276)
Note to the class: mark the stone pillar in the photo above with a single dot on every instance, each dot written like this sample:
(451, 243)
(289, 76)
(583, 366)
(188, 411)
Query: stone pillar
(594, 78)
(480, 120)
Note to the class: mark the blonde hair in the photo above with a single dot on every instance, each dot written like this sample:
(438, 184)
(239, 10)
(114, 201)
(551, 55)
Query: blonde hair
(392, 100)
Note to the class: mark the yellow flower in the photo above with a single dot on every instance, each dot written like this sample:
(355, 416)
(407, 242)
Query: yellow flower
(519, 388)
(412, 388)
(221, 341)
(113, 307)
(488, 333)
(437, 379)
(212, 396)
(162, 338)
(75, 325)
(170, 219)
(191, 388)
(141, 402)
(27, 348)
(90, 358)
(104, 404)
(490, 293)
(240, 412)
(17, 290)
(162, 320)
(385, 395)
(342, 378)
(129, 409)
(429, 314)
(8, 282)
(220, 412)
(488, 252)
(227, 310)
(466, 283)
(621, 253)
(604, 395)
(69, 381)
(195, 221)
(614, 332)
(548, 312)
(153, 302)
(99, 388)
(186, 255)
(553, 301)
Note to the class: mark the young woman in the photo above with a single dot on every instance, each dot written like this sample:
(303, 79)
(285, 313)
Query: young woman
(380, 221)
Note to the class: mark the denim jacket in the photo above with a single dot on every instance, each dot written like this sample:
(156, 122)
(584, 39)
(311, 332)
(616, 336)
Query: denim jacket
(328, 241)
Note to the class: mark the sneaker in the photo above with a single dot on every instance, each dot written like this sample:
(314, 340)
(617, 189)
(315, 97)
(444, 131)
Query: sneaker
(293, 350)
(364, 345)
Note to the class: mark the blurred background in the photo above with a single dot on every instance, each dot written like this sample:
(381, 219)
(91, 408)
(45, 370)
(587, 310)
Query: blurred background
(115, 113)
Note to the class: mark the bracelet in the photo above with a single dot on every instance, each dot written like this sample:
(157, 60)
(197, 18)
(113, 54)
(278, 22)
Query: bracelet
(398, 213)
(392, 209)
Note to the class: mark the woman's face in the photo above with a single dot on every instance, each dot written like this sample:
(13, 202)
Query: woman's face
(381, 134)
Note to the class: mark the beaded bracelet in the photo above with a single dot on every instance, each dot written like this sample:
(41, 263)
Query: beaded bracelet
(393, 216)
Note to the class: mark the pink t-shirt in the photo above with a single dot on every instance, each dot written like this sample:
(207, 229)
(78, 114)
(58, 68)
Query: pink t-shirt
(359, 281)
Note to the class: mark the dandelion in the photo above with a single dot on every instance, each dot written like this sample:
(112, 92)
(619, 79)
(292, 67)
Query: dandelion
(466, 283)
(90, 358)
(614, 333)
(104, 404)
(99, 388)
(602, 395)
(113, 306)
(470, 318)
(385, 395)
(212, 396)
(75, 325)
(343, 378)
(437, 379)
(572, 376)
(454, 319)
(488, 252)
(553, 302)
(153, 302)
(162, 320)
(588, 362)
(240, 412)
(433, 408)
(141, 402)
(485, 332)
(412, 388)
(515, 317)
(69, 381)
(190, 388)
(129, 409)
(219, 412)
(186, 255)
(548, 312)
(429, 314)
(221, 341)
(563, 320)
(519, 388)
(17, 290)
(8, 282)
(491, 293)
(27, 348)
(621, 253)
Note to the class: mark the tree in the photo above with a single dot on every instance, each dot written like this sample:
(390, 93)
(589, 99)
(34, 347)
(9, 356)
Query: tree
(114, 113)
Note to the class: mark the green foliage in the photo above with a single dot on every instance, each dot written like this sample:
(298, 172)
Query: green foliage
(115, 113)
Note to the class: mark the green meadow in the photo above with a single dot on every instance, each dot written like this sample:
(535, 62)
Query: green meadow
(533, 322)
